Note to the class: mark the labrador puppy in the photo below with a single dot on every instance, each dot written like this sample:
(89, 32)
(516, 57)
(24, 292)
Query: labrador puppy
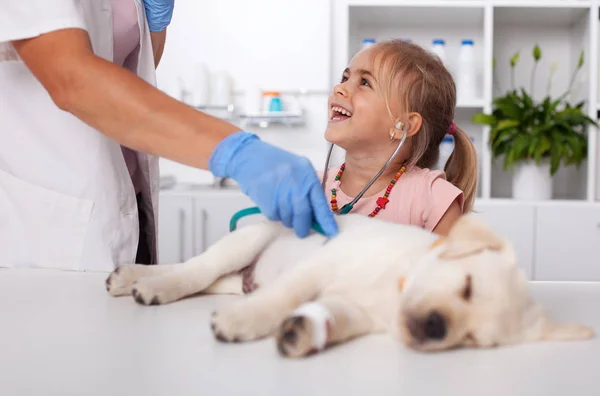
(431, 293)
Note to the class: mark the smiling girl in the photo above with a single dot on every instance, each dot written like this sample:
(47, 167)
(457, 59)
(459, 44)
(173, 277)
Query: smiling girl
(390, 89)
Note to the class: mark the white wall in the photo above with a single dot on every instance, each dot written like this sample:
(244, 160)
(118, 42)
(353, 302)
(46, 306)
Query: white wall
(265, 44)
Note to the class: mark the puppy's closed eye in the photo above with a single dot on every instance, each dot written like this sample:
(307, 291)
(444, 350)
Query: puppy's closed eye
(467, 290)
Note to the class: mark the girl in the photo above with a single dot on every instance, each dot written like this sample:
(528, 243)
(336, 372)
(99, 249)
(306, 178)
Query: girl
(389, 89)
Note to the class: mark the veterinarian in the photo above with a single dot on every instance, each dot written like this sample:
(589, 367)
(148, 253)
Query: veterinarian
(82, 124)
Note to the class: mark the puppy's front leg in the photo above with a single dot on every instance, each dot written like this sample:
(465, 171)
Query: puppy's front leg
(259, 314)
(316, 325)
(232, 253)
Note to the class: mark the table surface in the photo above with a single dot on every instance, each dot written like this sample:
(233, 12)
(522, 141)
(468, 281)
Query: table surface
(62, 334)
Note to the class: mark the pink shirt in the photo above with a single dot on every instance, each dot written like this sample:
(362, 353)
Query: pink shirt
(126, 40)
(420, 197)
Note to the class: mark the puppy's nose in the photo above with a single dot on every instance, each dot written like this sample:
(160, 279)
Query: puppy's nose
(434, 326)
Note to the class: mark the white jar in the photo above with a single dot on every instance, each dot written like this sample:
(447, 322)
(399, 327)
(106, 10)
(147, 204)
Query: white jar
(220, 93)
(446, 149)
(466, 73)
(200, 86)
(367, 42)
(438, 47)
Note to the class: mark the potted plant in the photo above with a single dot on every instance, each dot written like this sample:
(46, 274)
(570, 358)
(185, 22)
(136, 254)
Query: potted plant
(535, 137)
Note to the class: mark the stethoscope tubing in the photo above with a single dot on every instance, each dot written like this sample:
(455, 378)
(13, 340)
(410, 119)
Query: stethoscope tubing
(366, 188)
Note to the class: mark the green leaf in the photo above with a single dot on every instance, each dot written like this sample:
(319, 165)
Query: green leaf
(510, 107)
(514, 60)
(555, 159)
(580, 63)
(483, 119)
(505, 124)
(537, 53)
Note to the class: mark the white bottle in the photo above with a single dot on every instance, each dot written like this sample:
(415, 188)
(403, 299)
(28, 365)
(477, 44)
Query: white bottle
(466, 80)
(220, 93)
(200, 85)
(438, 47)
(366, 43)
(446, 149)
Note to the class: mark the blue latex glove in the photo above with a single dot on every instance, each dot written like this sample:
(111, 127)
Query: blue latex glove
(158, 13)
(284, 186)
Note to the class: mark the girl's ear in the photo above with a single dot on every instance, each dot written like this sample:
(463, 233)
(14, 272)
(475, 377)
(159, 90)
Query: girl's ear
(414, 123)
(411, 127)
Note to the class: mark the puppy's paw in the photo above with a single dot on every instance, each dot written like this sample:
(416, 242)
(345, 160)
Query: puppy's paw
(295, 337)
(121, 280)
(156, 290)
(245, 321)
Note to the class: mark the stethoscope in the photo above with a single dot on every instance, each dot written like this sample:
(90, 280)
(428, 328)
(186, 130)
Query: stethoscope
(344, 209)
(350, 205)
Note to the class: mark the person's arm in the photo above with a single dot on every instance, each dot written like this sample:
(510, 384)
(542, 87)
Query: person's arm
(137, 115)
(158, 45)
(116, 102)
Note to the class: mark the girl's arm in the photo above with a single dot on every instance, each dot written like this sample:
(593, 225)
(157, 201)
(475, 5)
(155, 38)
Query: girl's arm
(448, 219)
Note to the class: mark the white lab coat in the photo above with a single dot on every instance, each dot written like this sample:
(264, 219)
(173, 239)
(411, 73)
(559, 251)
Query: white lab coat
(66, 198)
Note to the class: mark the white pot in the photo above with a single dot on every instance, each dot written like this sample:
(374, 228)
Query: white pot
(532, 181)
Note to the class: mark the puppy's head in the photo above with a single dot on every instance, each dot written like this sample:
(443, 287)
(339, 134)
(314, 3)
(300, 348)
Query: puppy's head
(469, 291)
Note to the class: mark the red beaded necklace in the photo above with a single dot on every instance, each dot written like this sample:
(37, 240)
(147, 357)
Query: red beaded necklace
(381, 201)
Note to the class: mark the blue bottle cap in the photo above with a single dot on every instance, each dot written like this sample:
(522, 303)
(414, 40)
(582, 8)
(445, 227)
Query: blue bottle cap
(467, 42)
(439, 41)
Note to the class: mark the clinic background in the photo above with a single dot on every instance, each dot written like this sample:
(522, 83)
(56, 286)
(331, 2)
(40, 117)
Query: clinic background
(269, 66)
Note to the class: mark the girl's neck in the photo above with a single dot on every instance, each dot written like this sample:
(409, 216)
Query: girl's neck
(359, 172)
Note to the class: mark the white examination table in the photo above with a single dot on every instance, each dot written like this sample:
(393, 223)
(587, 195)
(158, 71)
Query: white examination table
(62, 334)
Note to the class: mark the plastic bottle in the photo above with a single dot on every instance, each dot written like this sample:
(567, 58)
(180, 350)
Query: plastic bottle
(367, 42)
(201, 85)
(446, 148)
(438, 47)
(466, 80)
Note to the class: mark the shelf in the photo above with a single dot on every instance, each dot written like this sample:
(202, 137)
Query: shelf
(524, 16)
(542, 4)
(402, 17)
(266, 119)
(471, 104)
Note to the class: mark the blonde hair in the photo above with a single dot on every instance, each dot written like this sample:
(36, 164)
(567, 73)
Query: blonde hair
(427, 87)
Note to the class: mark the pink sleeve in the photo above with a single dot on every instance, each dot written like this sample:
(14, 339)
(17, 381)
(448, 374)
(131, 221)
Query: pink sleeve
(435, 197)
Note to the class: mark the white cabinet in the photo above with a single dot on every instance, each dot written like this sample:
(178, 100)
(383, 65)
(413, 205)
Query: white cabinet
(177, 228)
(190, 220)
(218, 206)
(515, 222)
(567, 242)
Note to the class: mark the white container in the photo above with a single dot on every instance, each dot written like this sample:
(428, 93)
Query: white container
(253, 100)
(446, 149)
(466, 72)
(532, 182)
(221, 90)
(438, 47)
(367, 42)
(200, 86)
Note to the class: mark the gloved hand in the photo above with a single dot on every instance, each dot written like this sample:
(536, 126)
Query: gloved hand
(158, 13)
(284, 186)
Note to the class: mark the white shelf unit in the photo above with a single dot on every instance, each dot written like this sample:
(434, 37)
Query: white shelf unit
(499, 28)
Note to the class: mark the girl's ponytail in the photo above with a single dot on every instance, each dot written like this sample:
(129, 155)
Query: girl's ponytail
(462, 169)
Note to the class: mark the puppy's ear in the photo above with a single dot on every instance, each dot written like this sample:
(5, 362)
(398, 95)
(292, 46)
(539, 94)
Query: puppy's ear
(468, 236)
(539, 327)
